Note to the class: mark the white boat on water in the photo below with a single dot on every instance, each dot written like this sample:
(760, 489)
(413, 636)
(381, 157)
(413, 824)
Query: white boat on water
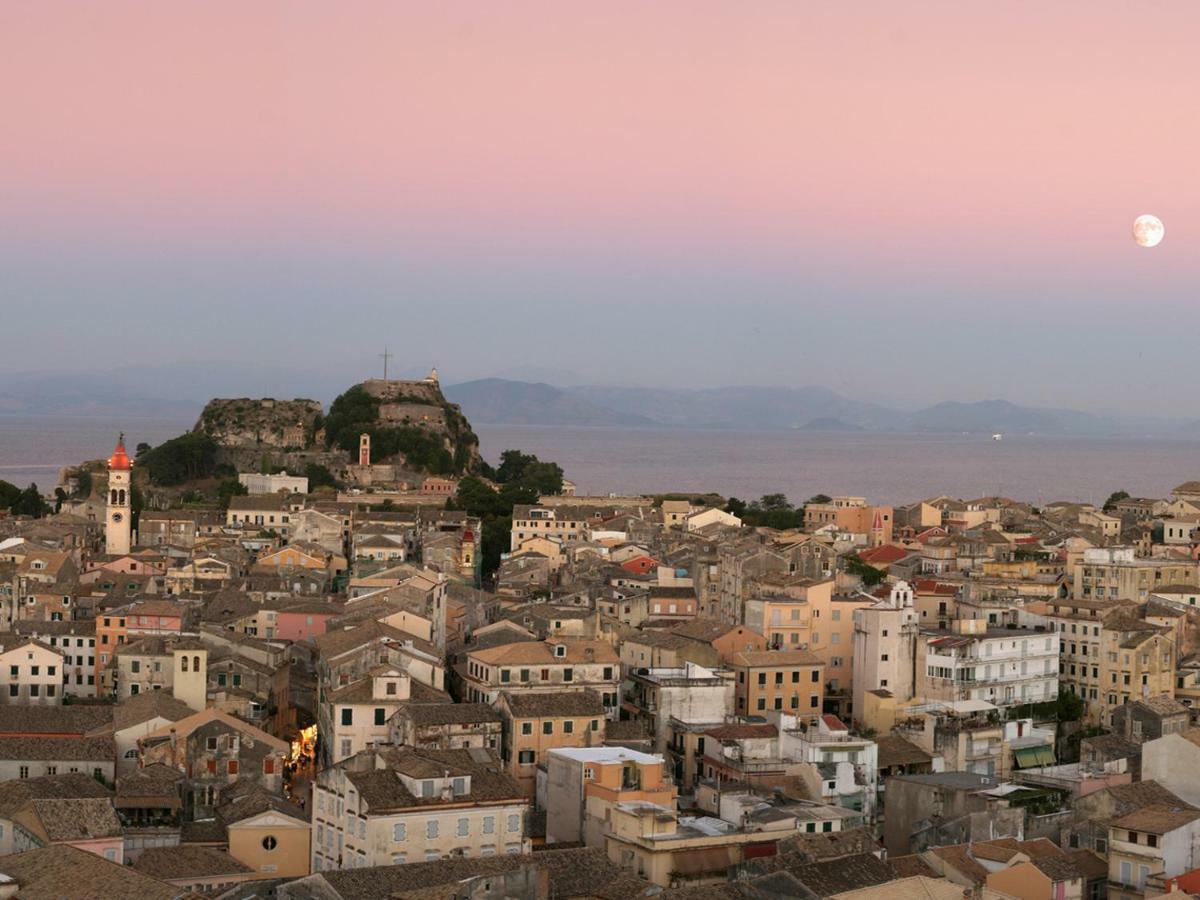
(997, 437)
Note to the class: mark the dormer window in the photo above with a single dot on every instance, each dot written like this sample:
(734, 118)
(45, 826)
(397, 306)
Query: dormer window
(560, 650)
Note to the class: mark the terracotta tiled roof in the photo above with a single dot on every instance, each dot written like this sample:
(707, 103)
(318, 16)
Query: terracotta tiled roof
(775, 658)
(531, 705)
(737, 732)
(1157, 819)
(51, 873)
(539, 652)
(183, 862)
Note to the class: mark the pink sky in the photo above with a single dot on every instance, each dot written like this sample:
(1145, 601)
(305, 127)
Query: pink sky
(942, 143)
(952, 123)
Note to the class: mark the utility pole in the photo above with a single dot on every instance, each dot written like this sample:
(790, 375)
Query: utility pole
(386, 356)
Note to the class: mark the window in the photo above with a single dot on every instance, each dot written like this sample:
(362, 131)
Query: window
(526, 757)
(431, 828)
(526, 728)
(346, 745)
(608, 673)
(524, 674)
(568, 726)
(464, 827)
(14, 690)
(505, 676)
(595, 724)
(33, 690)
(347, 716)
(23, 772)
(380, 716)
(399, 832)
(233, 767)
(547, 728)
(816, 676)
(489, 824)
(762, 703)
(762, 679)
(211, 743)
(269, 843)
(460, 786)
(426, 788)
(568, 675)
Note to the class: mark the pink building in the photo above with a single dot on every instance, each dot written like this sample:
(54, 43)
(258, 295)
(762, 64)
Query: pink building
(303, 622)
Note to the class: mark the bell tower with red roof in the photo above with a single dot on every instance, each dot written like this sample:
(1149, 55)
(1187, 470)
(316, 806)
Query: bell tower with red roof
(118, 519)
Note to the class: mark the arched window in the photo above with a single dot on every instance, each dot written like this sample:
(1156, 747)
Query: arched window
(114, 496)
(121, 498)
(184, 658)
(195, 664)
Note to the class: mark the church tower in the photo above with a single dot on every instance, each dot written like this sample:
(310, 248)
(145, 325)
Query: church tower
(364, 449)
(117, 521)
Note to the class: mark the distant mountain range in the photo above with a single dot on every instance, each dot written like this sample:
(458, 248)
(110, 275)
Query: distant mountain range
(180, 390)
(808, 408)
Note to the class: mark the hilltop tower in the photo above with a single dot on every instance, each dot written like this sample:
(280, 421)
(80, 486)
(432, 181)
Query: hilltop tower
(118, 522)
(364, 449)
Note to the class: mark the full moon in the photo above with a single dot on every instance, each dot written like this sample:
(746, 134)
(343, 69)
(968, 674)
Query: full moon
(1148, 230)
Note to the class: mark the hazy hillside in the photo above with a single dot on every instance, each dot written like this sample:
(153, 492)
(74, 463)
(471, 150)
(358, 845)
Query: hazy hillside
(741, 407)
(497, 400)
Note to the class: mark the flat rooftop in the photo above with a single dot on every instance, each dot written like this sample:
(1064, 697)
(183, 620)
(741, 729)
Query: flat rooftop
(607, 754)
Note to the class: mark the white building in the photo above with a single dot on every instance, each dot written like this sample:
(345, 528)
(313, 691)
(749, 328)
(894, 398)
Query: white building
(885, 637)
(691, 694)
(273, 484)
(356, 717)
(1002, 666)
(847, 766)
(396, 805)
(31, 674)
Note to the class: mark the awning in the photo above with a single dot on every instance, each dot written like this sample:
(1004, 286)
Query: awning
(701, 861)
(1031, 757)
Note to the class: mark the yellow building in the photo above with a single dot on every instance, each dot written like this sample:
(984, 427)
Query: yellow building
(1137, 661)
(269, 835)
(535, 724)
(790, 680)
(783, 611)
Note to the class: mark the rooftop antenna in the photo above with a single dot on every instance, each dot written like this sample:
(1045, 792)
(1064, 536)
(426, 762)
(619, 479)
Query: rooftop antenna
(386, 356)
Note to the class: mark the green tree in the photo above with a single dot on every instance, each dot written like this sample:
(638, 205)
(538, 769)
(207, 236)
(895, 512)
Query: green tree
(83, 483)
(228, 488)
(1070, 706)
(526, 479)
(189, 457)
(318, 477)
(8, 494)
(820, 498)
(736, 507)
(870, 575)
(512, 465)
(1114, 498)
(771, 511)
(29, 503)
